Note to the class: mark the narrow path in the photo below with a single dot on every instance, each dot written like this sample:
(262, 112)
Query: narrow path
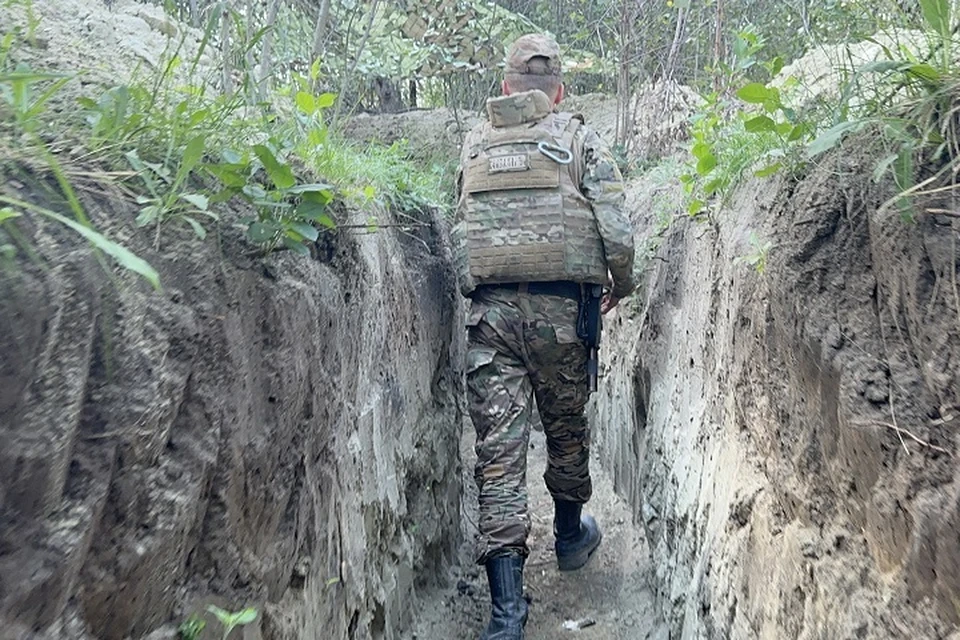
(611, 590)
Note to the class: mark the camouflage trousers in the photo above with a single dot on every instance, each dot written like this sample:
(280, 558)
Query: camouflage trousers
(522, 346)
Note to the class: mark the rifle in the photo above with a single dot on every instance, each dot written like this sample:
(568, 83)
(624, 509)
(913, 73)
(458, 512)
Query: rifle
(589, 328)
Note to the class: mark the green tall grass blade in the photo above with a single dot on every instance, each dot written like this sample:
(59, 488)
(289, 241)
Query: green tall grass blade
(936, 13)
(124, 257)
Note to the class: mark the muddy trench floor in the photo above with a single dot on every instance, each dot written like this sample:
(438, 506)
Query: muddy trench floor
(611, 591)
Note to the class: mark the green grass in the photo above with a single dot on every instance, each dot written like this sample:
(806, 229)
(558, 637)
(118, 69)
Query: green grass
(183, 152)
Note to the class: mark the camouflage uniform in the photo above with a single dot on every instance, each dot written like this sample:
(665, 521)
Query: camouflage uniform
(523, 345)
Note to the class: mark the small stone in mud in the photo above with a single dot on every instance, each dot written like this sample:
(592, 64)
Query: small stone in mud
(576, 625)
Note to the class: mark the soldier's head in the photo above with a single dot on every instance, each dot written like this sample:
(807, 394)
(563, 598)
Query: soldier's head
(533, 62)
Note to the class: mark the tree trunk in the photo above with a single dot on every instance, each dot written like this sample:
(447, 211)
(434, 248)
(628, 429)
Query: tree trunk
(320, 30)
(677, 43)
(718, 45)
(266, 61)
(225, 44)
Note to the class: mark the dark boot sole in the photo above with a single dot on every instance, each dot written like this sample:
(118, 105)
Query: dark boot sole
(578, 560)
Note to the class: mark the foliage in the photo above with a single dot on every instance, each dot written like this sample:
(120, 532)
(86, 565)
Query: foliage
(911, 110)
(191, 628)
(231, 620)
(26, 94)
(123, 256)
(182, 150)
(906, 99)
(757, 132)
(757, 258)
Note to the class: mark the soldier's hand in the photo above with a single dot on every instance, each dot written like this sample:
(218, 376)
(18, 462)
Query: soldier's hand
(608, 302)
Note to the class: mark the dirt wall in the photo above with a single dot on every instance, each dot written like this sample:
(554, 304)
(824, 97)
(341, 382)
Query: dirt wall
(752, 420)
(279, 433)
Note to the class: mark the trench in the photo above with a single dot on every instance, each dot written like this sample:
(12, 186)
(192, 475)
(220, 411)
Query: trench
(775, 454)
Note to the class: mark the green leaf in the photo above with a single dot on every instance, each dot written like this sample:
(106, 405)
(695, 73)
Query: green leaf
(798, 132)
(306, 103)
(924, 72)
(324, 196)
(832, 137)
(712, 187)
(6, 213)
(197, 227)
(706, 164)
(126, 258)
(198, 116)
(369, 192)
(147, 215)
(192, 154)
(326, 221)
(316, 212)
(307, 231)
(700, 150)
(222, 615)
(261, 232)
(776, 66)
(309, 188)
(246, 616)
(201, 202)
(784, 128)
(280, 174)
(696, 207)
(883, 166)
(759, 124)
(296, 246)
(254, 191)
(754, 93)
(226, 174)
(231, 157)
(883, 66)
(937, 15)
(326, 100)
(769, 170)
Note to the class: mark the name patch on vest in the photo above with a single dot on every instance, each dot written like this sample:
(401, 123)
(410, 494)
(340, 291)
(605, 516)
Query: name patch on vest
(517, 162)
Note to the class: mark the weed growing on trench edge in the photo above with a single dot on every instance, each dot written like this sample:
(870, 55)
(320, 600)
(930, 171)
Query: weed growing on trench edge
(183, 151)
(191, 628)
(231, 620)
(908, 100)
(757, 258)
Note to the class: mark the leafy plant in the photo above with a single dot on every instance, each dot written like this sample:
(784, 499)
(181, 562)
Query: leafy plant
(230, 621)
(758, 257)
(19, 90)
(912, 111)
(192, 627)
(166, 196)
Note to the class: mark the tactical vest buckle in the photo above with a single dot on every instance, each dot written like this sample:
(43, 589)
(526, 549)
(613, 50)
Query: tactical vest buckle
(551, 150)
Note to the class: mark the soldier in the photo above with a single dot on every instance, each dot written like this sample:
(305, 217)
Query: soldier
(539, 222)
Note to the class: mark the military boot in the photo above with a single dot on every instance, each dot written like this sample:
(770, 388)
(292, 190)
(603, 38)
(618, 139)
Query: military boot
(577, 535)
(505, 574)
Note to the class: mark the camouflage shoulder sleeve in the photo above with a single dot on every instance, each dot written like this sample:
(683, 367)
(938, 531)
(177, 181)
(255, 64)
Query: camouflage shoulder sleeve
(602, 184)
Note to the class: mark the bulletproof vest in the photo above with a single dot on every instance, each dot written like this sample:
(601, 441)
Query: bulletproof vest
(525, 218)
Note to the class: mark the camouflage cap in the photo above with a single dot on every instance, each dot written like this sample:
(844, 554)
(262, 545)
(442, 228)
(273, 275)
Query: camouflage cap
(533, 45)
